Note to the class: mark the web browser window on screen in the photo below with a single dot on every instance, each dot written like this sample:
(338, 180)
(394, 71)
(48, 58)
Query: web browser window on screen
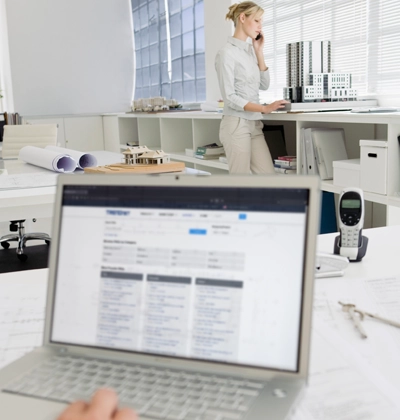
(201, 278)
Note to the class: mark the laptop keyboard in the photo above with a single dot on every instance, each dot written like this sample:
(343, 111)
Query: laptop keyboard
(154, 393)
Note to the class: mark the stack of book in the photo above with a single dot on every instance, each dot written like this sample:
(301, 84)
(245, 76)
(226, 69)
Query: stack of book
(7, 118)
(285, 164)
(209, 151)
(11, 118)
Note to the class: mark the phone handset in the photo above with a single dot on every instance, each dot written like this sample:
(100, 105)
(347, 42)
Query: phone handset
(351, 243)
(258, 36)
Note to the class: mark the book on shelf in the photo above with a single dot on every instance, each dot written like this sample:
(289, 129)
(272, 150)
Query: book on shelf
(206, 157)
(285, 170)
(12, 118)
(289, 158)
(223, 159)
(285, 163)
(210, 149)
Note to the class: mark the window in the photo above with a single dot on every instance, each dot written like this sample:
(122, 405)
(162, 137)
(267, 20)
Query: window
(364, 35)
(169, 47)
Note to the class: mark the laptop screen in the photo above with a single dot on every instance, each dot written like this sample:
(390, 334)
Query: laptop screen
(203, 273)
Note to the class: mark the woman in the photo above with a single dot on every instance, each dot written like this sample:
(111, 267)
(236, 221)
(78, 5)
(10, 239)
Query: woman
(242, 73)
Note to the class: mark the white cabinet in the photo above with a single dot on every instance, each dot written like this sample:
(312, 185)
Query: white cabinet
(84, 133)
(80, 133)
(174, 132)
(119, 130)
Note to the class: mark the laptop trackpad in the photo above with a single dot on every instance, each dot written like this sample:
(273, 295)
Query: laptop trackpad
(18, 407)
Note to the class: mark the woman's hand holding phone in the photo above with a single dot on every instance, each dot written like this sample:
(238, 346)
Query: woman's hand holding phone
(258, 43)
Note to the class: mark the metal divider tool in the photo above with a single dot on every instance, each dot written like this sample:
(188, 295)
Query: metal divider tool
(358, 315)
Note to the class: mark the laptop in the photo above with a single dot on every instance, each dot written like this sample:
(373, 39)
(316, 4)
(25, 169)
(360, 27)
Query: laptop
(190, 296)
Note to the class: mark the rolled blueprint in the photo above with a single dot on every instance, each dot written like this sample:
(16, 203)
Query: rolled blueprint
(49, 159)
(83, 160)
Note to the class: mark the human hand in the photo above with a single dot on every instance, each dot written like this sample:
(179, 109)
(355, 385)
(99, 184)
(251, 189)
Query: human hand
(274, 106)
(258, 44)
(103, 406)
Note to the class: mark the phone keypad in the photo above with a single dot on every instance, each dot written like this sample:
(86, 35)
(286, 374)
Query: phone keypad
(350, 238)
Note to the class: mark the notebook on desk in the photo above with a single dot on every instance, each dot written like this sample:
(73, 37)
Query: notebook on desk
(190, 296)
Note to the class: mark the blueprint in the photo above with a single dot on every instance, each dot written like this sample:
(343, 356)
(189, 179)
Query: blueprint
(21, 316)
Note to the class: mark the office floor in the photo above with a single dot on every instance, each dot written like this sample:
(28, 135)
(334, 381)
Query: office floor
(37, 258)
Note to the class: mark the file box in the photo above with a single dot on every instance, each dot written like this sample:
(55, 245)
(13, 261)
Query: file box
(373, 164)
(346, 173)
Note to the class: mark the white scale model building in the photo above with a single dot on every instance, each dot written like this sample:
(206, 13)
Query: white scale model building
(309, 77)
(143, 155)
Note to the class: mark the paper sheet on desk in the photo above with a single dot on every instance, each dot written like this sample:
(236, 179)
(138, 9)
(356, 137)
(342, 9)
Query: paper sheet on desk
(21, 318)
(49, 159)
(34, 180)
(83, 160)
(212, 106)
(341, 385)
(377, 295)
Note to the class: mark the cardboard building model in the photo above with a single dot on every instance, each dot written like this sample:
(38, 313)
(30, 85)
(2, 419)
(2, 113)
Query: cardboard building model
(132, 153)
(153, 157)
(143, 155)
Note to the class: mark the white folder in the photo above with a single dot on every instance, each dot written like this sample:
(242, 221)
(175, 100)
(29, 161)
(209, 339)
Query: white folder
(303, 155)
(329, 145)
(312, 168)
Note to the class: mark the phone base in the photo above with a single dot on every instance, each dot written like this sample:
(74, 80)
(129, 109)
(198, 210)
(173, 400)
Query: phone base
(353, 254)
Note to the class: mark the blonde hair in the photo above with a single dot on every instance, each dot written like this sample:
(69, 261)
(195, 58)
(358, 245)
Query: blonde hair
(246, 7)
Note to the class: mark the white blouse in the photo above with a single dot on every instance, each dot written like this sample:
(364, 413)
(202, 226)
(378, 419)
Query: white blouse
(240, 78)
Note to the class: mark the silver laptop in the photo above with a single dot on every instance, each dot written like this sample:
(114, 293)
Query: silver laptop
(190, 296)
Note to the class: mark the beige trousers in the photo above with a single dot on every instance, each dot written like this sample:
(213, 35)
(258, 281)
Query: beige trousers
(245, 146)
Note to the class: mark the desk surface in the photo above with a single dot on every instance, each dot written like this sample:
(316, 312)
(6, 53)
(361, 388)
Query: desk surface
(24, 203)
(350, 377)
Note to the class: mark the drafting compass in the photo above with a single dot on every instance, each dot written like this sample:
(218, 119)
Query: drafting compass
(358, 315)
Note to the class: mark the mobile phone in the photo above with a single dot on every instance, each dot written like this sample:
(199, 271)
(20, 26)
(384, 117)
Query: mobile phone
(258, 37)
(351, 221)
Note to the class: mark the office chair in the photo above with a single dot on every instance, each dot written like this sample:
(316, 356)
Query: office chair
(15, 137)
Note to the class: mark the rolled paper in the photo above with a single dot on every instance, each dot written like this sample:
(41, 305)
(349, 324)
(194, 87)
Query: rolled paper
(48, 159)
(83, 160)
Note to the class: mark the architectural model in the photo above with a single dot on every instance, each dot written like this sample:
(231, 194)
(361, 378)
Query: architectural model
(309, 77)
(132, 153)
(157, 103)
(142, 155)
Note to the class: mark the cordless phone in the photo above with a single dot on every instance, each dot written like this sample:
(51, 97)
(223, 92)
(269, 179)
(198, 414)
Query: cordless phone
(351, 243)
(258, 36)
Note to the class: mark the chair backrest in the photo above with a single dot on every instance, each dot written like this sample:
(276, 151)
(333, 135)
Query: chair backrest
(15, 137)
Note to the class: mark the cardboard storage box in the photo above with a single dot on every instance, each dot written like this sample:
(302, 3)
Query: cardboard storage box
(373, 154)
(346, 173)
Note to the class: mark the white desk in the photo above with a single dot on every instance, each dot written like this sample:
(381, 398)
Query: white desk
(25, 203)
(350, 378)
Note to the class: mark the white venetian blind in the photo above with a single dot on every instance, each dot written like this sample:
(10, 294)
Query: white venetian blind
(364, 35)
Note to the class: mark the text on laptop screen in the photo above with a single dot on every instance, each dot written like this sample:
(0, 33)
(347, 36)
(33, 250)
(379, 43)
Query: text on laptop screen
(204, 273)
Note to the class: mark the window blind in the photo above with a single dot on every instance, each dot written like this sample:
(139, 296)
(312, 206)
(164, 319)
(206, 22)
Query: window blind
(364, 35)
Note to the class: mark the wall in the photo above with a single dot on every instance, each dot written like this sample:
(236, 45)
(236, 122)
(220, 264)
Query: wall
(70, 57)
(217, 30)
(6, 103)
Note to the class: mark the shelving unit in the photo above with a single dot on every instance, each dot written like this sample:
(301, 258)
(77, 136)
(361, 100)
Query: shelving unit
(174, 132)
(171, 132)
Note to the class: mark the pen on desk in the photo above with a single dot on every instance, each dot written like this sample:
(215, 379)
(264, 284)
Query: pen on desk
(348, 307)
